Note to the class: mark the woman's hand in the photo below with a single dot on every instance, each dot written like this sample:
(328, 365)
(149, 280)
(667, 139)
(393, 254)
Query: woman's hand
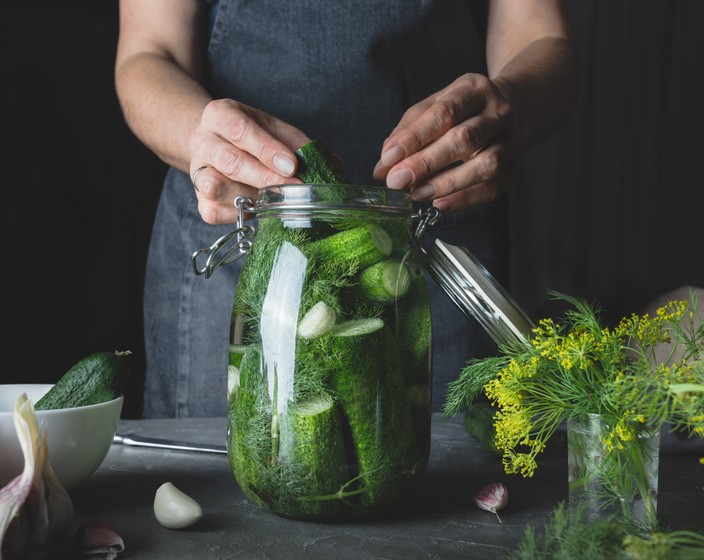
(457, 147)
(236, 150)
(454, 148)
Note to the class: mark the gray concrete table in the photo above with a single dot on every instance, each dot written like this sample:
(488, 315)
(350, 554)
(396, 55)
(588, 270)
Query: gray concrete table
(438, 521)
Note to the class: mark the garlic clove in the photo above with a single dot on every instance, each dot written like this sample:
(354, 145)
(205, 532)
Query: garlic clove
(98, 537)
(492, 497)
(174, 509)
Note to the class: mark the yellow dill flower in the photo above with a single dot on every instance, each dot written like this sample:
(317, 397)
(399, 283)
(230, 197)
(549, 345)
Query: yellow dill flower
(501, 395)
(624, 431)
(524, 464)
(519, 463)
(673, 311)
(511, 429)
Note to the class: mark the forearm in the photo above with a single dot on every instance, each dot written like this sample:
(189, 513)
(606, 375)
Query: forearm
(540, 83)
(161, 103)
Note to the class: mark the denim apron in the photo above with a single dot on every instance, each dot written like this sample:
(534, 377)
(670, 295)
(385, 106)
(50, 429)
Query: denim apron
(343, 72)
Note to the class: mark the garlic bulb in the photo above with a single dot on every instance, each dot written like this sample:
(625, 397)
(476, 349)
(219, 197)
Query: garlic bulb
(174, 509)
(34, 508)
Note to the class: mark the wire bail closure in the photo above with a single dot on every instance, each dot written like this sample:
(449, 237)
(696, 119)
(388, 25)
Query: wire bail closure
(428, 217)
(243, 236)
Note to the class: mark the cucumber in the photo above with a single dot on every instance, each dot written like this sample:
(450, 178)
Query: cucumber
(368, 382)
(95, 379)
(317, 165)
(363, 245)
(479, 422)
(357, 327)
(385, 281)
(312, 440)
(415, 330)
(249, 427)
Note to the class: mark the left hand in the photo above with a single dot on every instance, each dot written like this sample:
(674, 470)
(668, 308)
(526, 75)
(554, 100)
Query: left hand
(454, 147)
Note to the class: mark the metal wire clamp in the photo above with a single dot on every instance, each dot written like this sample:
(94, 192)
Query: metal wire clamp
(229, 247)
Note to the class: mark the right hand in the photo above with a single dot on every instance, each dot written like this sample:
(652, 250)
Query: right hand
(245, 149)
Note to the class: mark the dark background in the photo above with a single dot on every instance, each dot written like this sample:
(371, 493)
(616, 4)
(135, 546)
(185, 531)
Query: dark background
(609, 208)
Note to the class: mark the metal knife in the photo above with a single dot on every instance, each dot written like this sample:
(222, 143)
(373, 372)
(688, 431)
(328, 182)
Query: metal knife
(143, 441)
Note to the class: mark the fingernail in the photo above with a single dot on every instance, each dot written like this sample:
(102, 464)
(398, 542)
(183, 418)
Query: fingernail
(423, 192)
(399, 179)
(284, 164)
(392, 156)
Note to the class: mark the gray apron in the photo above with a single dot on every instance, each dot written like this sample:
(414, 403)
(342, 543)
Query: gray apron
(343, 72)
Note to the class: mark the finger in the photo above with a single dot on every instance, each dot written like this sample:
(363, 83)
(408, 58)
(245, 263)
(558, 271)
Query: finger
(212, 185)
(215, 191)
(471, 197)
(440, 116)
(412, 113)
(460, 143)
(255, 133)
(222, 210)
(486, 166)
(240, 166)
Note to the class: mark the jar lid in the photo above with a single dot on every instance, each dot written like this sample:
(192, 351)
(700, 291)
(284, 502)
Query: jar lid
(476, 293)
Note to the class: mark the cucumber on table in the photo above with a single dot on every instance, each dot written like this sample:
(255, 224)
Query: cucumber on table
(95, 379)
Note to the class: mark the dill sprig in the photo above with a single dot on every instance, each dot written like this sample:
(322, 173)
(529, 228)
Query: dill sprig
(577, 367)
(571, 534)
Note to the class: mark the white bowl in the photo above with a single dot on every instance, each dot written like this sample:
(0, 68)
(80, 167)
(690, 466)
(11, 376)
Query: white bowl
(78, 438)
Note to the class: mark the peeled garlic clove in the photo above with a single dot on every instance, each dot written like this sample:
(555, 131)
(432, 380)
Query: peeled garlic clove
(98, 537)
(492, 497)
(174, 509)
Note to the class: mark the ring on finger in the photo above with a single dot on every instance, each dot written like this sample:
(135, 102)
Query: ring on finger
(194, 176)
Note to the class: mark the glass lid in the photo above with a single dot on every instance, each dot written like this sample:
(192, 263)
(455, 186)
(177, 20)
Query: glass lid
(477, 294)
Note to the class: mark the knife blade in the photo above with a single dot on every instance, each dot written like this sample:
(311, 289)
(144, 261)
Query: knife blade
(144, 441)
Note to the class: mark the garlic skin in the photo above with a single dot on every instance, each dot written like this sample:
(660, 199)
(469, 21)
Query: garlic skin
(174, 509)
(34, 508)
(492, 497)
(98, 537)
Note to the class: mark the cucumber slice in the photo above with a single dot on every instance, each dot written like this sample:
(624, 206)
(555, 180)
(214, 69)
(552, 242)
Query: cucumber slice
(385, 281)
(357, 327)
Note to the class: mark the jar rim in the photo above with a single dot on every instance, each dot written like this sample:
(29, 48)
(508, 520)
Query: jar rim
(296, 197)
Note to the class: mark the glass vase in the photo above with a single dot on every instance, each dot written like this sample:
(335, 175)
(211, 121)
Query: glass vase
(612, 481)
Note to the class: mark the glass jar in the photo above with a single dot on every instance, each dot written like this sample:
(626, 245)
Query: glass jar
(329, 400)
(604, 481)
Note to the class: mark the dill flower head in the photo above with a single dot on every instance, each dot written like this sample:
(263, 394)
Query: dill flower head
(579, 366)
